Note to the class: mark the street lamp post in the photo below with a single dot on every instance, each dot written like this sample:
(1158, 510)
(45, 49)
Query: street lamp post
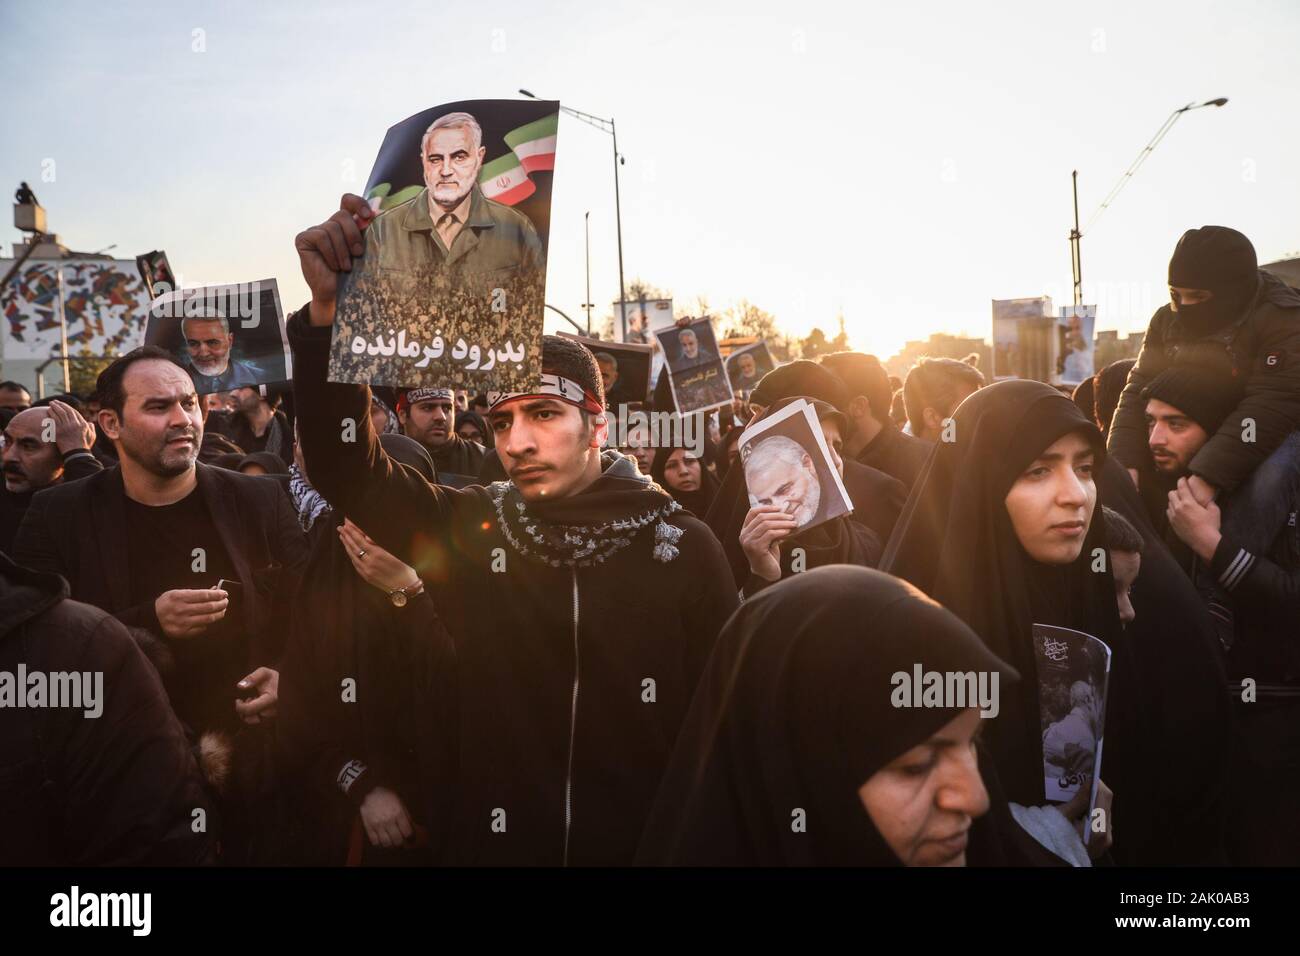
(606, 126)
(1076, 236)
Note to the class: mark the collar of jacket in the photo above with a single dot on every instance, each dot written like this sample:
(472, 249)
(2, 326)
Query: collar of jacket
(25, 594)
(417, 218)
(109, 516)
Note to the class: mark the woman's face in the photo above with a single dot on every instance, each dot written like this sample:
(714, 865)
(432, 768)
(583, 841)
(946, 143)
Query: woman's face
(682, 473)
(378, 419)
(470, 432)
(1052, 501)
(923, 802)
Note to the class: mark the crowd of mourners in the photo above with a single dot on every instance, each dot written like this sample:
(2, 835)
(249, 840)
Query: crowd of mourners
(342, 625)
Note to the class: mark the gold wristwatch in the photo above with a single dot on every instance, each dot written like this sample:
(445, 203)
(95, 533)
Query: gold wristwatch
(400, 596)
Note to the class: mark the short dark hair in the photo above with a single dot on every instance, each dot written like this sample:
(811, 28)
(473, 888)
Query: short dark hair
(109, 384)
(1120, 533)
(67, 398)
(935, 383)
(862, 374)
(574, 361)
(14, 387)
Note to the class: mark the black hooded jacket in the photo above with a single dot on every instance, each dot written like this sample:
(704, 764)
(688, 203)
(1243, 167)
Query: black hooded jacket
(574, 679)
(113, 790)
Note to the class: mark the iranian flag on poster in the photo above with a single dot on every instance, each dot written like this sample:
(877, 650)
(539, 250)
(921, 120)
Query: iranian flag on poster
(532, 148)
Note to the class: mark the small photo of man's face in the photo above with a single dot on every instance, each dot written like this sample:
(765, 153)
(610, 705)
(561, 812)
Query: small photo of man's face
(209, 345)
(689, 343)
(780, 473)
(745, 363)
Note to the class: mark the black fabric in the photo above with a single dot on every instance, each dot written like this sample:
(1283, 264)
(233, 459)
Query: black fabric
(479, 422)
(401, 720)
(1221, 260)
(1205, 399)
(215, 445)
(897, 454)
(410, 453)
(800, 378)
(529, 636)
(1181, 673)
(795, 711)
(456, 456)
(118, 789)
(956, 542)
(277, 438)
(697, 502)
(271, 464)
(160, 544)
(1107, 386)
(877, 500)
(1085, 396)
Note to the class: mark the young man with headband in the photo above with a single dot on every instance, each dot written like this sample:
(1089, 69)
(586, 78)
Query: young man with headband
(583, 602)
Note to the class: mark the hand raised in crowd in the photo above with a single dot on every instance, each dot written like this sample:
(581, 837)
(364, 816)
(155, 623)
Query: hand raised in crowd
(1195, 521)
(71, 431)
(328, 249)
(188, 612)
(385, 818)
(765, 527)
(254, 710)
(376, 566)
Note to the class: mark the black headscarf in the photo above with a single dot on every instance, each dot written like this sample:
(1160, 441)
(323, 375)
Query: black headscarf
(409, 452)
(1107, 386)
(794, 711)
(269, 463)
(474, 418)
(844, 540)
(955, 541)
(696, 502)
(800, 378)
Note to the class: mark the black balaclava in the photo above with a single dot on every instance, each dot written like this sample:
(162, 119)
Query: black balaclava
(1221, 260)
(795, 711)
(1108, 385)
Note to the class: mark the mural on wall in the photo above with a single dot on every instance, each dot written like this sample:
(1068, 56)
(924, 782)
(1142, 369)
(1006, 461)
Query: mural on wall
(104, 301)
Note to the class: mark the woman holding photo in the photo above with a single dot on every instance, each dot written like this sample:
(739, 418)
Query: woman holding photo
(999, 529)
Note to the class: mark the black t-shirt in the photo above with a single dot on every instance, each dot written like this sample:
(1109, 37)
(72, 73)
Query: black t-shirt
(162, 555)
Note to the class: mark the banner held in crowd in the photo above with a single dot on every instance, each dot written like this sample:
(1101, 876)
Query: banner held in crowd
(449, 292)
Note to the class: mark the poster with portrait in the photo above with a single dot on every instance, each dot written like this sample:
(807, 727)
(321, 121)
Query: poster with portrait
(225, 336)
(1009, 346)
(1073, 672)
(696, 375)
(1074, 332)
(156, 273)
(449, 292)
(636, 319)
(788, 464)
(624, 369)
(747, 365)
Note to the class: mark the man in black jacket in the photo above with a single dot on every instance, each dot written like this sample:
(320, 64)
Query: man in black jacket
(583, 602)
(42, 447)
(150, 540)
(106, 780)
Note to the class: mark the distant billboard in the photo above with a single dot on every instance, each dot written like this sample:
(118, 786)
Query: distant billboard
(104, 303)
(1010, 347)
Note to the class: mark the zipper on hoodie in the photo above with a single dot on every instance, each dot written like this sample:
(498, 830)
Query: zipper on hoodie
(573, 723)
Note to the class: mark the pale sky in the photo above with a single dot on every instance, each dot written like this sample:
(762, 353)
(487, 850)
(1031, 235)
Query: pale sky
(904, 162)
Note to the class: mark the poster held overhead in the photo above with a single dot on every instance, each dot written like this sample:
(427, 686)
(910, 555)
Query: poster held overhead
(696, 375)
(224, 336)
(449, 292)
